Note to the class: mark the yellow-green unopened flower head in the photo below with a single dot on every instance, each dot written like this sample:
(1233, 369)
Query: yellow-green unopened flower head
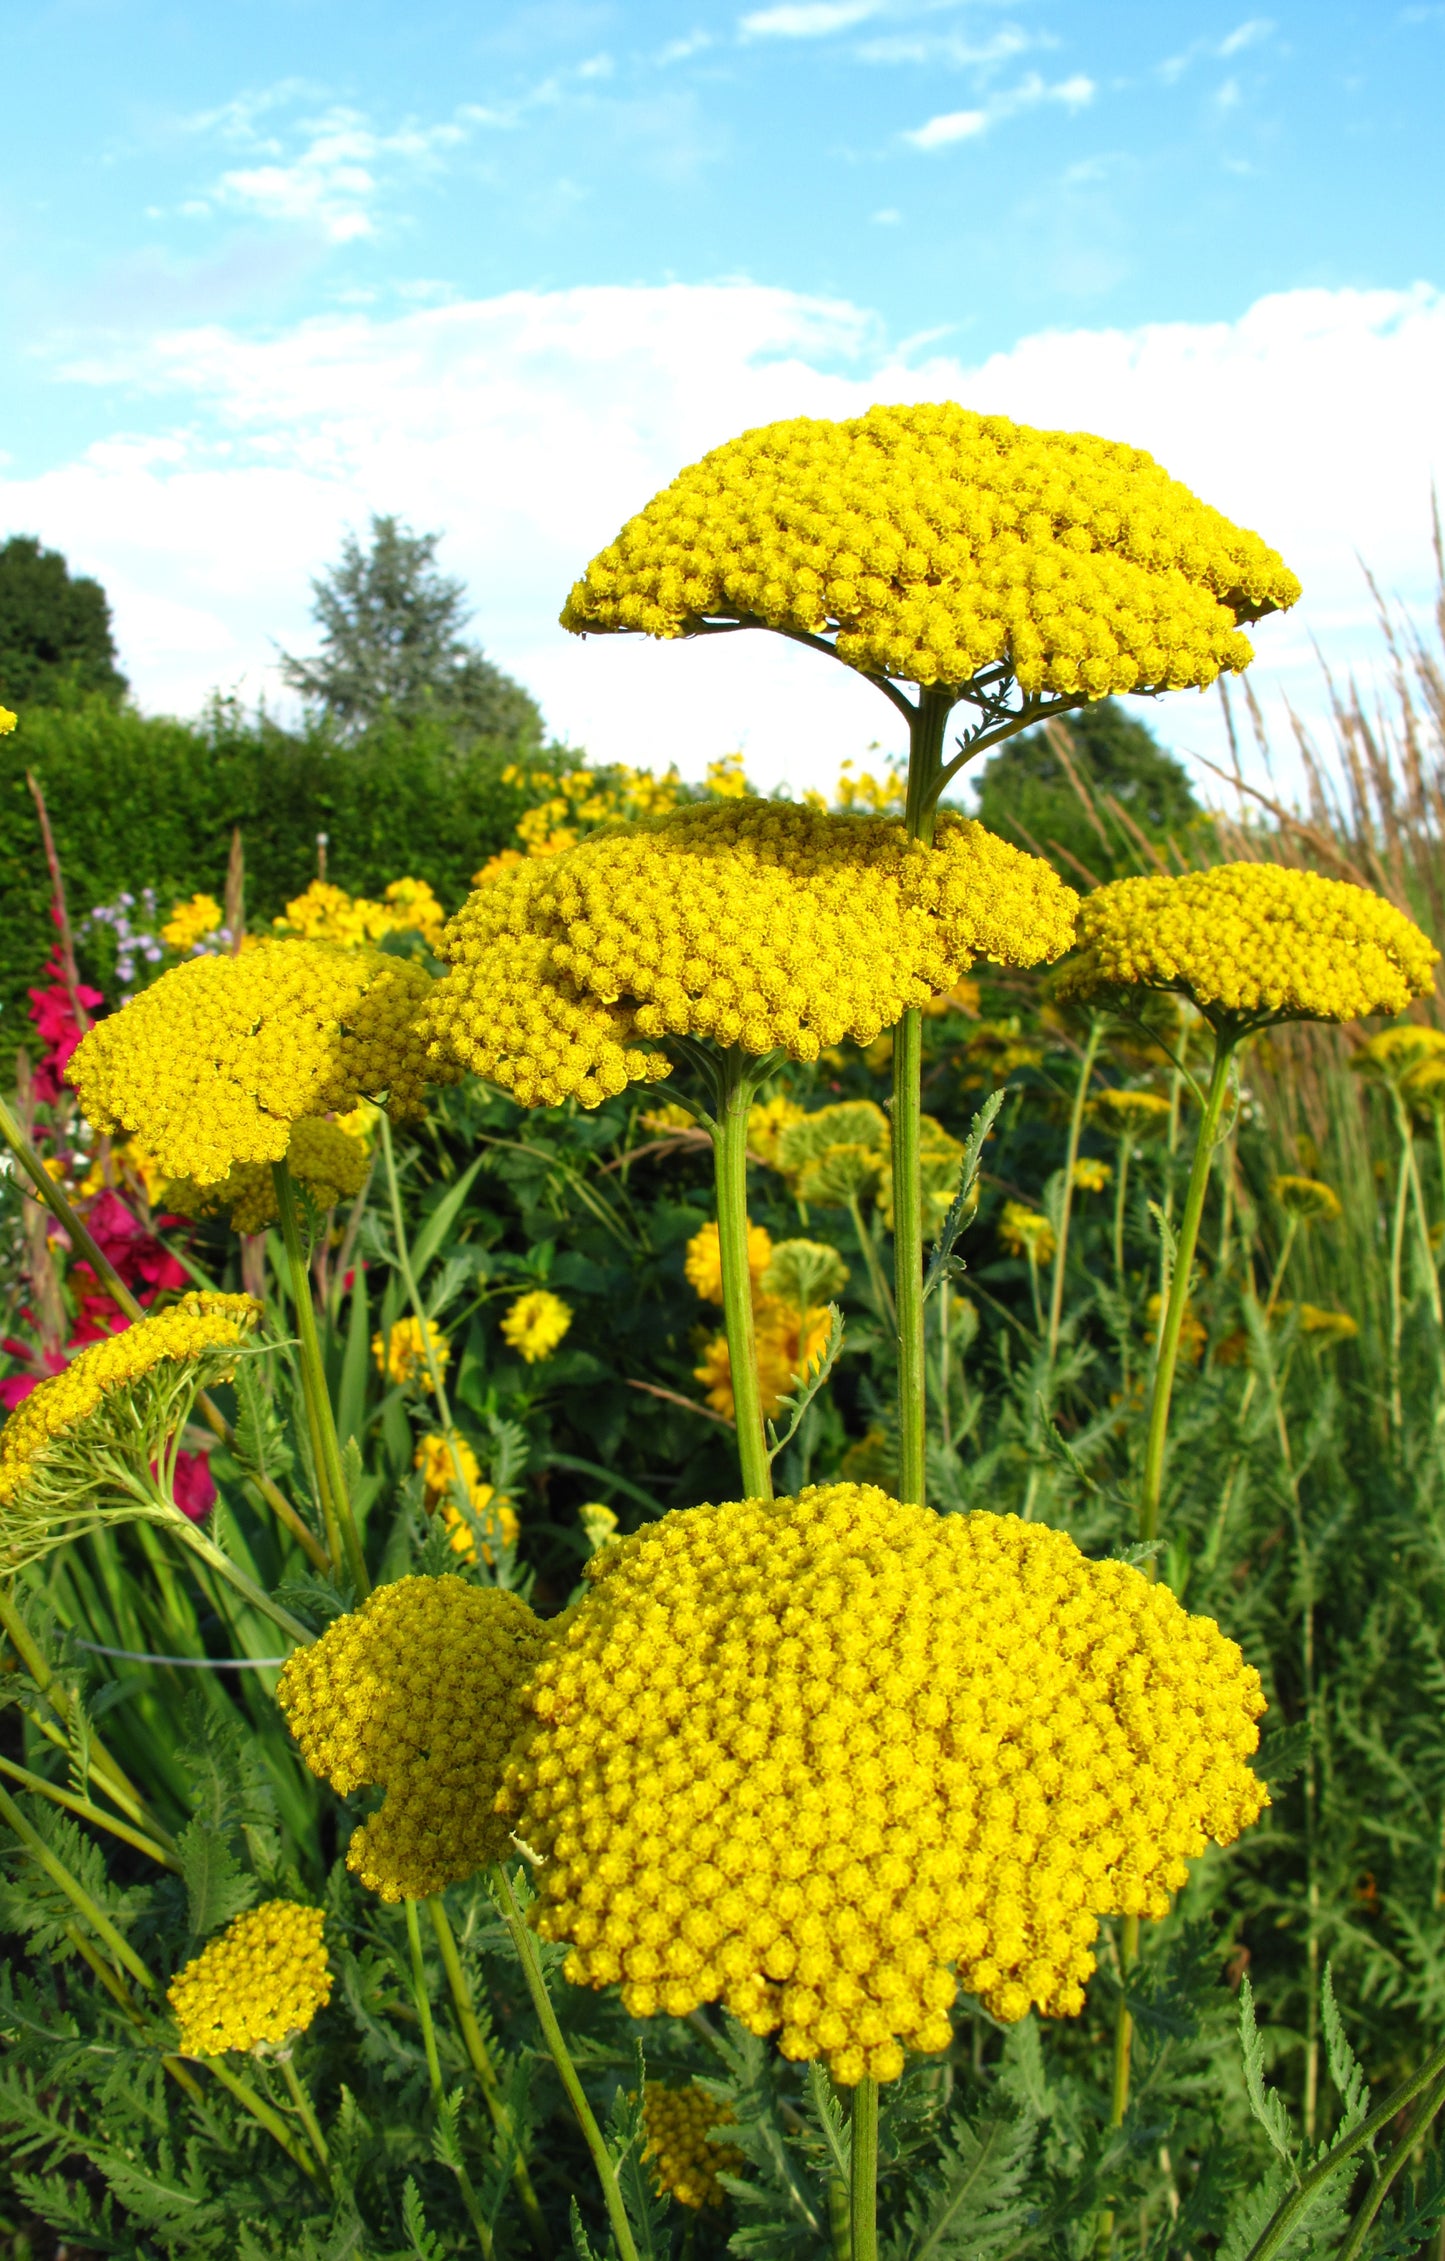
(1252, 943)
(762, 924)
(82, 1444)
(827, 1760)
(214, 1063)
(677, 2147)
(321, 1156)
(535, 1324)
(262, 1980)
(935, 543)
(416, 1691)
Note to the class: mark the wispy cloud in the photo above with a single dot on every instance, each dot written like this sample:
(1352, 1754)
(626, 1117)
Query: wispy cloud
(333, 180)
(682, 50)
(966, 125)
(806, 19)
(951, 49)
(1247, 34)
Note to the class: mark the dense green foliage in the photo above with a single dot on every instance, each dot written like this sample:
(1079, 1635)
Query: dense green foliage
(392, 646)
(55, 633)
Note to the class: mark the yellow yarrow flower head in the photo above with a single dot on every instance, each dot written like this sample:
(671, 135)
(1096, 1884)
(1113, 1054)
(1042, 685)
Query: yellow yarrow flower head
(1130, 1114)
(1026, 1232)
(1090, 1174)
(191, 922)
(261, 1981)
(321, 1156)
(678, 2145)
(214, 1063)
(1250, 944)
(402, 1354)
(535, 1324)
(416, 1692)
(702, 1267)
(828, 1760)
(79, 1449)
(326, 913)
(1324, 1327)
(1308, 1199)
(755, 923)
(7, 721)
(439, 1458)
(804, 1272)
(932, 543)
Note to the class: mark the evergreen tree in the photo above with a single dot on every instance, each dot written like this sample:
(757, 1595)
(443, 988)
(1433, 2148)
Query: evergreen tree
(1024, 793)
(393, 645)
(55, 633)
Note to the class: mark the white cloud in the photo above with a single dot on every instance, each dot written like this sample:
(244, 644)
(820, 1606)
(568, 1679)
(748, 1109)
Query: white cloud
(530, 425)
(965, 125)
(953, 48)
(1244, 35)
(806, 19)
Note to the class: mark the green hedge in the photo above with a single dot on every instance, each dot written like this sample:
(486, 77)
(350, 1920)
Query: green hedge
(145, 801)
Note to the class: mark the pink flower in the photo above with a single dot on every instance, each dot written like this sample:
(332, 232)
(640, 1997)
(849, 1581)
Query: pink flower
(195, 1486)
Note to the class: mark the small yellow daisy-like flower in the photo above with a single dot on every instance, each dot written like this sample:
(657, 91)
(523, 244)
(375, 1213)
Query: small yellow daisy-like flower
(439, 1458)
(1308, 1199)
(262, 1980)
(761, 924)
(7, 721)
(678, 2144)
(1090, 1174)
(535, 1324)
(402, 1355)
(933, 543)
(829, 1760)
(1026, 1232)
(703, 1265)
(1251, 944)
(417, 1692)
(323, 1157)
(214, 1063)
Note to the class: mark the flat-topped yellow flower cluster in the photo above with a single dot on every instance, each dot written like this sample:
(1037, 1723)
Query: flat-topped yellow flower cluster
(416, 1691)
(262, 1979)
(757, 923)
(320, 1155)
(216, 1061)
(677, 2147)
(199, 1328)
(1253, 943)
(811, 1757)
(937, 543)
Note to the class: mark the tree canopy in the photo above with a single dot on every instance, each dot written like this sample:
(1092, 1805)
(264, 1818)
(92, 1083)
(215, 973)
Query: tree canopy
(55, 633)
(1024, 792)
(393, 645)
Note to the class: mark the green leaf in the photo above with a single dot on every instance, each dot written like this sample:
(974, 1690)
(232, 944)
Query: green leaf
(1266, 2103)
(972, 2200)
(413, 2221)
(442, 1218)
(217, 1887)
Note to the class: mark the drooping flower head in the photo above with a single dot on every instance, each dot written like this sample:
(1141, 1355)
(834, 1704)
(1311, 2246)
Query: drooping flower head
(216, 1061)
(1251, 944)
(754, 923)
(933, 543)
(416, 1692)
(535, 1324)
(678, 2147)
(827, 1760)
(321, 1156)
(1130, 1114)
(261, 1980)
(83, 1444)
(1308, 1200)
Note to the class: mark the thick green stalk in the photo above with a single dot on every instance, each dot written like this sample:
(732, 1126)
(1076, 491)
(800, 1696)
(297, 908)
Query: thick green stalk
(434, 2071)
(863, 2174)
(1379, 2189)
(1151, 1490)
(908, 1257)
(475, 2043)
(730, 1157)
(305, 2109)
(341, 1528)
(1071, 1156)
(526, 1951)
(1277, 2230)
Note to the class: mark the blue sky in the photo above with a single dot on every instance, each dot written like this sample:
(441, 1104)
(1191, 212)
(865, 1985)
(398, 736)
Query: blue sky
(503, 269)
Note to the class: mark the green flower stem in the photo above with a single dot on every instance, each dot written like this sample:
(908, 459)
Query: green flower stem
(1121, 1195)
(86, 1811)
(202, 1544)
(1379, 2189)
(108, 1772)
(863, 2173)
(335, 1501)
(434, 2071)
(877, 1281)
(1152, 1488)
(730, 1154)
(908, 1256)
(525, 1946)
(75, 1892)
(179, 2071)
(1071, 1156)
(305, 2110)
(261, 2112)
(1277, 2230)
(460, 1491)
(83, 1245)
(475, 2043)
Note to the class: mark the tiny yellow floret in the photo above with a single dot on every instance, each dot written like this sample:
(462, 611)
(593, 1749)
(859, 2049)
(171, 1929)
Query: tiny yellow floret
(321, 1156)
(416, 1691)
(262, 1980)
(1252, 943)
(828, 1760)
(933, 543)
